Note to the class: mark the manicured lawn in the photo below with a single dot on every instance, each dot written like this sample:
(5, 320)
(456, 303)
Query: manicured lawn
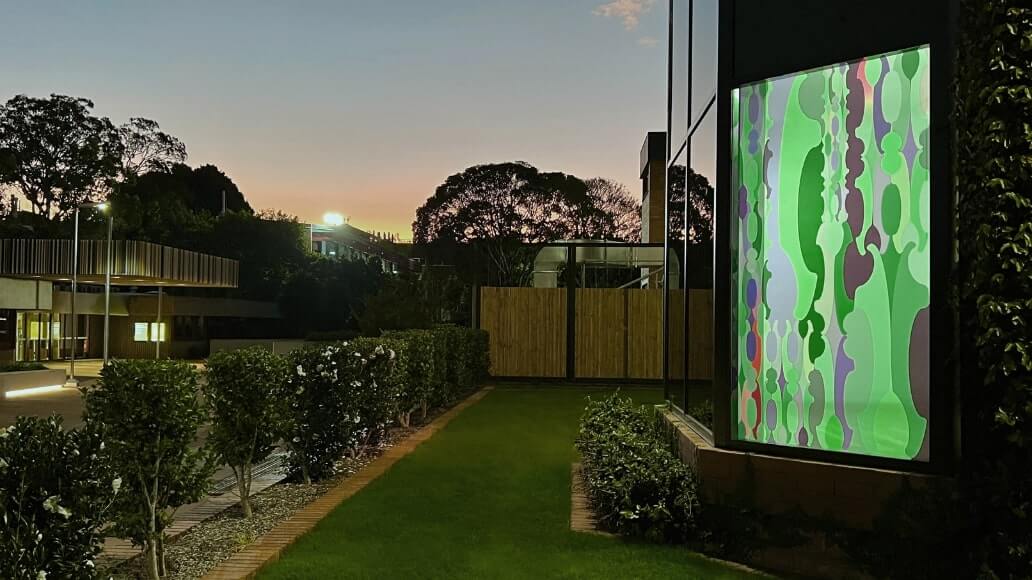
(487, 497)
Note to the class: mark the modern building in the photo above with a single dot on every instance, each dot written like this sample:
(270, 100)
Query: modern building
(151, 310)
(346, 242)
(823, 128)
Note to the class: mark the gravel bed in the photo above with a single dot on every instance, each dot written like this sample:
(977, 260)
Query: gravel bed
(202, 547)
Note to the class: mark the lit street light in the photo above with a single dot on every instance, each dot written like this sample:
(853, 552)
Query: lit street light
(333, 219)
(103, 207)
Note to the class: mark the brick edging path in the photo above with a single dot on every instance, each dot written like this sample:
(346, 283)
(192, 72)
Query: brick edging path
(246, 563)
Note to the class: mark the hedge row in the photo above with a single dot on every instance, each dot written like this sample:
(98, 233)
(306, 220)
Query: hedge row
(58, 488)
(635, 482)
(344, 395)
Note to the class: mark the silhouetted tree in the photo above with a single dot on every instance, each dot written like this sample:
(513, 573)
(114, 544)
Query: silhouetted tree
(617, 214)
(207, 183)
(691, 208)
(58, 154)
(145, 148)
(499, 211)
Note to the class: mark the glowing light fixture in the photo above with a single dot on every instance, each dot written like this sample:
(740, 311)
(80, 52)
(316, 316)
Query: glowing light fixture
(32, 391)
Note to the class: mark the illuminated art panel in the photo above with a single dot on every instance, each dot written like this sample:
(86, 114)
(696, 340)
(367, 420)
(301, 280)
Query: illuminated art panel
(831, 172)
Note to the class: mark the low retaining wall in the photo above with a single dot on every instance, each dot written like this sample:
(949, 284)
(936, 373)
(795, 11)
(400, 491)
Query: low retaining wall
(849, 495)
(277, 346)
(18, 380)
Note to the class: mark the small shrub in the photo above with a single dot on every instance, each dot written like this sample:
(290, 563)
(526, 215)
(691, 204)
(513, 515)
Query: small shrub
(480, 354)
(466, 359)
(322, 410)
(244, 394)
(379, 381)
(444, 388)
(422, 375)
(635, 482)
(341, 396)
(149, 412)
(55, 489)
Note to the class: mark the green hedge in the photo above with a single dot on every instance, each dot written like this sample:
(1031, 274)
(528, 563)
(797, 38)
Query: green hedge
(467, 361)
(345, 395)
(635, 482)
(385, 362)
(425, 372)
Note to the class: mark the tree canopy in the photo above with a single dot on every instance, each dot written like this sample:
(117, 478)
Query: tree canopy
(516, 202)
(145, 147)
(56, 153)
(691, 206)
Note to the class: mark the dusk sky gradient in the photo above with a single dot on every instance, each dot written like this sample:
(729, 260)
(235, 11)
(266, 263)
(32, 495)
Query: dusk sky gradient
(363, 108)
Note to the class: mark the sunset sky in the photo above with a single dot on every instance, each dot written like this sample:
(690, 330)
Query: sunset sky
(359, 107)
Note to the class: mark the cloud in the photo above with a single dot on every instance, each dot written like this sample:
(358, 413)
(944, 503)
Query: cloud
(648, 41)
(630, 11)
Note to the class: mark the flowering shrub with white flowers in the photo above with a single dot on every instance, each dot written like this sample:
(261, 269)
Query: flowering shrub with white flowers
(343, 396)
(323, 418)
(55, 489)
(383, 377)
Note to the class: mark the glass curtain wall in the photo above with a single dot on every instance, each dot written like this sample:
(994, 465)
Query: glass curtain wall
(677, 137)
(690, 186)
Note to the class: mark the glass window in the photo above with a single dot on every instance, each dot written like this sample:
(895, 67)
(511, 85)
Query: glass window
(698, 307)
(140, 332)
(675, 274)
(678, 116)
(832, 286)
(704, 56)
(157, 332)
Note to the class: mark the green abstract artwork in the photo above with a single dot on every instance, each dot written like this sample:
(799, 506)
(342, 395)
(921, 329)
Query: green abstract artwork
(832, 258)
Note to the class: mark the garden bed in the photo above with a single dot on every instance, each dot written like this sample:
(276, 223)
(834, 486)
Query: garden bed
(207, 544)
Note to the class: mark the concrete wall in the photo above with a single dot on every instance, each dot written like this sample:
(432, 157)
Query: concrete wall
(90, 303)
(30, 380)
(278, 346)
(17, 294)
(849, 495)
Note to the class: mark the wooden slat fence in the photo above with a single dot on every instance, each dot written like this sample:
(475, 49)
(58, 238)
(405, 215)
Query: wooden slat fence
(528, 330)
(618, 332)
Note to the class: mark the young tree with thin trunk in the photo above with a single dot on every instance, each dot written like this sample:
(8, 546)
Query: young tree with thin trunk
(247, 411)
(150, 413)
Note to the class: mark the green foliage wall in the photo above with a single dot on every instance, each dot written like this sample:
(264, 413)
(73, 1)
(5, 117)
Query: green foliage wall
(994, 194)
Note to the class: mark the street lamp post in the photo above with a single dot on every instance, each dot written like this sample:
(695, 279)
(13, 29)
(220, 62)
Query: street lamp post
(107, 289)
(72, 381)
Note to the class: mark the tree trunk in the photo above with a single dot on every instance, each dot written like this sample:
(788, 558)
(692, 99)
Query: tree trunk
(162, 569)
(244, 483)
(150, 560)
(307, 479)
(424, 408)
(151, 554)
